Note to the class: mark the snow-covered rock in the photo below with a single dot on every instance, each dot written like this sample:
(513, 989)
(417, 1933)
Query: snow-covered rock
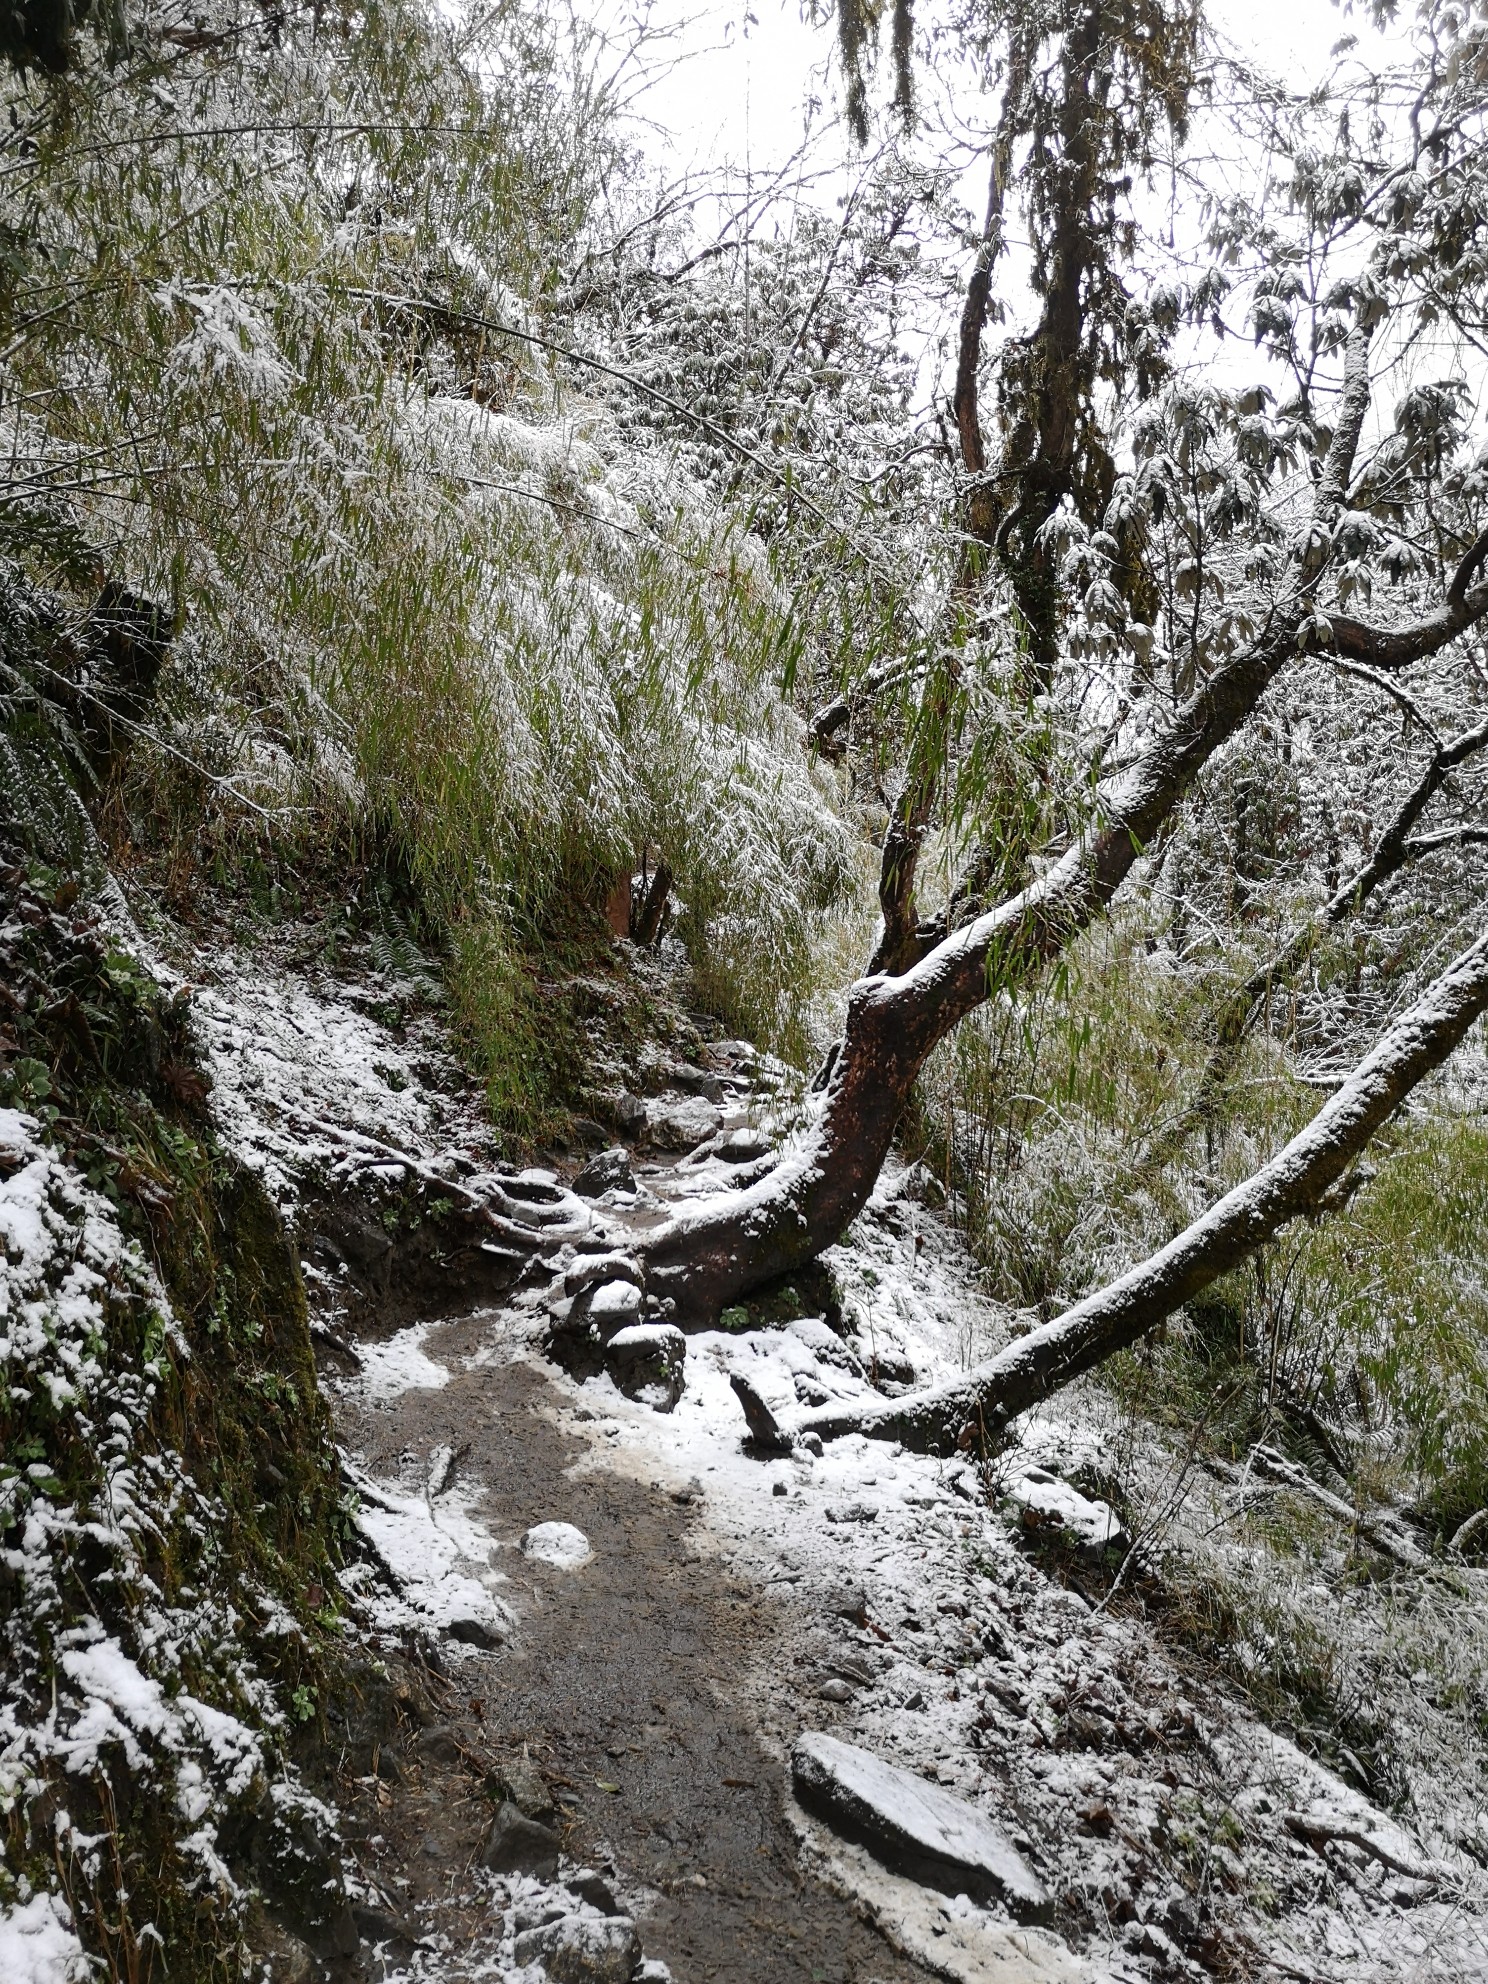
(557, 1543)
(915, 1826)
(1044, 1502)
(583, 1949)
(681, 1125)
(646, 1361)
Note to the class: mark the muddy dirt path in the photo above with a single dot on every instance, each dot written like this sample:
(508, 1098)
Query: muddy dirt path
(618, 1681)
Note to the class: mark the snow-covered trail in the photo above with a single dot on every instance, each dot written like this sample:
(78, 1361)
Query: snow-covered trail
(728, 1604)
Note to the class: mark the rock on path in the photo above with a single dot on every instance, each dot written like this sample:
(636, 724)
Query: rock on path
(916, 1827)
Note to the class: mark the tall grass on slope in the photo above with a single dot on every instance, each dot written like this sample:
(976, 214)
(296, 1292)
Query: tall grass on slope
(424, 596)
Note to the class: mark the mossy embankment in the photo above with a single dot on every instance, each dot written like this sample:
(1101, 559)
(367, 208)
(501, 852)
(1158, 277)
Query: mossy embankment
(171, 1514)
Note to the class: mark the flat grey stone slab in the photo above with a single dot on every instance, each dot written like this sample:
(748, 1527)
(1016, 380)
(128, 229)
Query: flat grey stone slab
(913, 1826)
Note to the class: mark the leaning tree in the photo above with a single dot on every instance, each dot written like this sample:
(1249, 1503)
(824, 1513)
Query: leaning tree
(1176, 492)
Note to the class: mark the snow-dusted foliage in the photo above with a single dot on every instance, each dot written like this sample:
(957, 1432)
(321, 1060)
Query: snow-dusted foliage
(132, 1709)
(430, 587)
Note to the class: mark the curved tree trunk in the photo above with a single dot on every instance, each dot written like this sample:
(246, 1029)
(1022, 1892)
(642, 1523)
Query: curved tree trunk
(966, 1411)
(716, 1249)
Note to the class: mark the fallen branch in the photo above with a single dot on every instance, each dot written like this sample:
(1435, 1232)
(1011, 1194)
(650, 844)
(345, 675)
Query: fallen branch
(1322, 1830)
(964, 1411)
(1287, 1474)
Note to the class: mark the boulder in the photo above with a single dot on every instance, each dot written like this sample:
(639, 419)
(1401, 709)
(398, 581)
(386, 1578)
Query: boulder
(1047, 1506)
(647, 1361)
(915, 1827)
(583, 1949)
(609, 1172)
(515, 1844)
(681, 1125)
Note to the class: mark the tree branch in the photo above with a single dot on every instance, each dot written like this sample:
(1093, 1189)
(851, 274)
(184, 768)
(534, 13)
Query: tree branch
(1292, 1183)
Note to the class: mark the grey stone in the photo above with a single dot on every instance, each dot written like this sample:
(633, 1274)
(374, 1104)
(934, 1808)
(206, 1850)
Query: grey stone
(538, 1914)
(915, 1827)
(647, 1361)
(835, 1690)
(849, 1601)
(439, 1745)
(578, 1949)
(290, 1962)
(629, 1113)
(524, 1786)
(608, 1172)
(695, 1081)
(595, 1889)
(681, 1125)
(515, 1844)
(477, 1625)
(590, 1270)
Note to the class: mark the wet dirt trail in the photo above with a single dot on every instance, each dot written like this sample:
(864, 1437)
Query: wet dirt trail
(618, 1681)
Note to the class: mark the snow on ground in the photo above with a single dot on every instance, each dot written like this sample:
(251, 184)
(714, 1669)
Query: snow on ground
(299, 1072)
(38, 1944)
(1131, 1779)
(400, 1364)
(1128, 1780)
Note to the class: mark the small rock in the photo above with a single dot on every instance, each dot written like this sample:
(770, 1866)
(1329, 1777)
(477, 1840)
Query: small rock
(647, 1361)
(290, 1961)
(835, 1690)
(439, 1745)
(779, 1488)
(742, 1146)
(576, 1949)
(913, 1825)
(609, 1172)
(538, 1914)
(653, 1971)
(473, 1623)
(589, 1270)
(849, 1601)
(852, 1512)
(681, 1125)
(515, 1844)
(556, 1543)
(595, 1889)
(852, 1669)
(523, 1785)
(812, 1442)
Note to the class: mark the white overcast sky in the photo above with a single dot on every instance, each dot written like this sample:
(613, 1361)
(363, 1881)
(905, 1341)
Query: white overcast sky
(730, 85)
(749, 68)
